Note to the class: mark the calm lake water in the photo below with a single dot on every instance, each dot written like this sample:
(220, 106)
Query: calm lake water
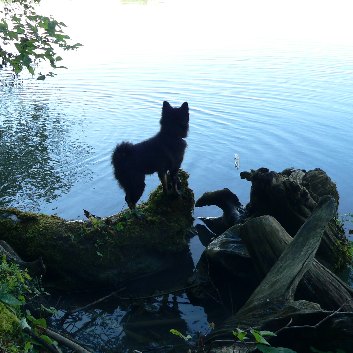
(273, 84)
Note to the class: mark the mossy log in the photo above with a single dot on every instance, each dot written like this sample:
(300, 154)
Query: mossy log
(105, 250)
(273, 305)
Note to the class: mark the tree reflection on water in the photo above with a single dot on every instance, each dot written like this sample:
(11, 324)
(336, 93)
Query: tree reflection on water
(39, 152)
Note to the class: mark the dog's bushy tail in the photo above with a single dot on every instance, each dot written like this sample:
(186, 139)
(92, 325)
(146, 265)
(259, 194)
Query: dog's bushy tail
(120, 161)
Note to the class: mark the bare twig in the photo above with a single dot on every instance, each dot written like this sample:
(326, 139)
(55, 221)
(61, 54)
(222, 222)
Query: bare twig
(317, 325)
(329, 316)
(97, 301)
(287, 325)
(159, 294)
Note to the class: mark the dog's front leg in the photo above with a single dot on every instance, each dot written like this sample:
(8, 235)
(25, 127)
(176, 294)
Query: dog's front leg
(175, 181)
(163, 178)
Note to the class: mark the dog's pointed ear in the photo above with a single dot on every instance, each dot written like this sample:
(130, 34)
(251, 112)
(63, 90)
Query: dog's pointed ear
(185, 106)
(166, 105)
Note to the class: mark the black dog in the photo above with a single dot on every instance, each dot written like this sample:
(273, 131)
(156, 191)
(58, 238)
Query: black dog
(162, 153)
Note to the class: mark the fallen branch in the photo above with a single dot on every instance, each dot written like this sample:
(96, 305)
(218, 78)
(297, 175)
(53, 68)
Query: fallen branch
(48, 347)
(64, 340)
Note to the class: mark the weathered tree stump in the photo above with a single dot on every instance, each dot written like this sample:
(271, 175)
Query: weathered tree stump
(290, 197)
(106, 250)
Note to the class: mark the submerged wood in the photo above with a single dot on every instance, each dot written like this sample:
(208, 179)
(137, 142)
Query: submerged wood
(106, 250)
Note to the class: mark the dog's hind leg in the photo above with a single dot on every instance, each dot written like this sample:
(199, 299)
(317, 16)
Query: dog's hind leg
(135, 190)
(163, 178)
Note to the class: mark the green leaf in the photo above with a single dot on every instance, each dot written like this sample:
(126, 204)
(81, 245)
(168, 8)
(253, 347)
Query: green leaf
(19, 30)
(37, 322)
(266, 349)
(9, 299)
(30, 69)
(22, 299)
(40, 322)
(46, 339)
(51, 27)
(3, 27)
(15, 18)
(41, 77)
(179, 334)
(12, 35)
(176, 333)
(240, 334)
(50, 310)
(258, 337)
(18, 46)
(28, 346)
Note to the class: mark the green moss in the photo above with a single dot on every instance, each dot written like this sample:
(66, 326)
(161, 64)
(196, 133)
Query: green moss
(344, 256)
(8, 322)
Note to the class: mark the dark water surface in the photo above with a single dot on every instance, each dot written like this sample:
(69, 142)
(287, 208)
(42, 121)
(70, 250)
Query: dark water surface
(277, 104)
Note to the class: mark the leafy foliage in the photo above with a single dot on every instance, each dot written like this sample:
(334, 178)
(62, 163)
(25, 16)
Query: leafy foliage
(13, 283)
(17, 288)
(248, 337)
(27, 38)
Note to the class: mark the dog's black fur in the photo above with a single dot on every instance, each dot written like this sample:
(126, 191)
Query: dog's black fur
(162, 153)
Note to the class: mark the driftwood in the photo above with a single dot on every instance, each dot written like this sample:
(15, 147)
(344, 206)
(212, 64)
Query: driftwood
(273, 304)
(228, 202)
(266, 240)
(290, 197)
